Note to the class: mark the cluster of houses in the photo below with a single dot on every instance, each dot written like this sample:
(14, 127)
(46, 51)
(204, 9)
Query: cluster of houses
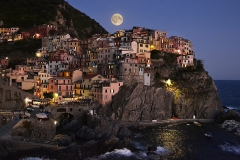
(10, 34)
(95, 68)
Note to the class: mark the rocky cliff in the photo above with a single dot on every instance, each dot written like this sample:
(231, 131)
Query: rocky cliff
(188, 94)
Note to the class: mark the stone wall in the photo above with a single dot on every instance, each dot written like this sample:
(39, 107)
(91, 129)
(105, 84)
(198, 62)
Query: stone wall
(11, 97)
(75, 109)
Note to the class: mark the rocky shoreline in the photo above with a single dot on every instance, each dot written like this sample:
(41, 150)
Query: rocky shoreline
(100, 136)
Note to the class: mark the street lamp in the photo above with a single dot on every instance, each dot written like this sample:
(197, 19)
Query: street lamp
(168, 82)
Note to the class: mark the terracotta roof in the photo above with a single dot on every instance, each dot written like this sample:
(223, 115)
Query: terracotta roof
(89, 76)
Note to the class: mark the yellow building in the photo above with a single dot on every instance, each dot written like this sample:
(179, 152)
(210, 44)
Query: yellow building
(83, 88)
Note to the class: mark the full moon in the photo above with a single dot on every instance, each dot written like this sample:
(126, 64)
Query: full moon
(117, 19)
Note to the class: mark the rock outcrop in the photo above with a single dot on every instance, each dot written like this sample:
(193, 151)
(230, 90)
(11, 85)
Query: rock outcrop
(101, 128)
(189, 94)
(232, 126)
(3, 152)
(37, 131)
(228, 115)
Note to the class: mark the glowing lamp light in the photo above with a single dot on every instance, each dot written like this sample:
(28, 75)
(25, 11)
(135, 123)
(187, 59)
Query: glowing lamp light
(56, 95)
(55, 122)
(38, 54)
(168, 82)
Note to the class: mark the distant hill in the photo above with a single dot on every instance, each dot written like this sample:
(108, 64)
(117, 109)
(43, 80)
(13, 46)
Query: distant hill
(27, 13)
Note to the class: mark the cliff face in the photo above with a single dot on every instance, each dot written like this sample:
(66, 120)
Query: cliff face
(189, 94)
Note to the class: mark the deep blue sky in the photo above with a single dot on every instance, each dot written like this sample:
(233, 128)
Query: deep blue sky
(213, 26)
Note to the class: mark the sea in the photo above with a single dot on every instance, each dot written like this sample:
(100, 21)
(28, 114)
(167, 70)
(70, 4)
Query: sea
(186, 141)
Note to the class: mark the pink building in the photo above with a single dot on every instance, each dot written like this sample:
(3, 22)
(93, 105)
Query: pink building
(62, 88)
(105, 90)
(102, 43)
(137, 29)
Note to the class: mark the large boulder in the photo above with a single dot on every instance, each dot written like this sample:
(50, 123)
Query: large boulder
(237, 132)
(94, 148)
(3, 152)
(229, 115)
(63, 140)
(124, 132)
(111, 126)
(231, 125)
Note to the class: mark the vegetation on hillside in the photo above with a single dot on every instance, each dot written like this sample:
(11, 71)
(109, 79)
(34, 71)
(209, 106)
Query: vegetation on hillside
(20, 49)
(27, 13)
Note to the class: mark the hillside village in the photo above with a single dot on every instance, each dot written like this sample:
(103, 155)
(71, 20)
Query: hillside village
(91, 69)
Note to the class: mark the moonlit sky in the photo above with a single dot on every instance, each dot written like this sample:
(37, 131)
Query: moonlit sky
(213, 26)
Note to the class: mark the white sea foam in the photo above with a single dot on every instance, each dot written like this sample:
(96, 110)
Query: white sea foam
(124, 152)
(232, 107)
(161, 151)
(139, 146)
(32, 158)
(230, 148)
(121, 153)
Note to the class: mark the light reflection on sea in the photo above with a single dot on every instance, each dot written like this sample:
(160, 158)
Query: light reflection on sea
(184, 141)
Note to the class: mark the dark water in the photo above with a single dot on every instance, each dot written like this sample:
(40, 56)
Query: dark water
(187, 141)
(229, 93)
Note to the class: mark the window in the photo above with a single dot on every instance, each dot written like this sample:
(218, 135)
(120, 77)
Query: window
(60, 88)
(112, 91)
(105, 91)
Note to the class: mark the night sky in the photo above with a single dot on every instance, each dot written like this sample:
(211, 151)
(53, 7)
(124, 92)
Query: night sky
(213, 26)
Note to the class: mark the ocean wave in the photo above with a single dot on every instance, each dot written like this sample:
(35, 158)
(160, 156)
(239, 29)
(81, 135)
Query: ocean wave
(36, 158)
(230, 148)
(128, 154)
(32, 158)
(234, 107)
(117, 153)
(161, 151)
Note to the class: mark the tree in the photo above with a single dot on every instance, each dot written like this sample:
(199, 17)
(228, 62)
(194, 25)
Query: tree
(52, 32)
(48, 95)
(155, 54)
(199, 65)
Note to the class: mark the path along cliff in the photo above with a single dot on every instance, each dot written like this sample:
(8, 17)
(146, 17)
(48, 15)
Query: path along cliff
(190, 94)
